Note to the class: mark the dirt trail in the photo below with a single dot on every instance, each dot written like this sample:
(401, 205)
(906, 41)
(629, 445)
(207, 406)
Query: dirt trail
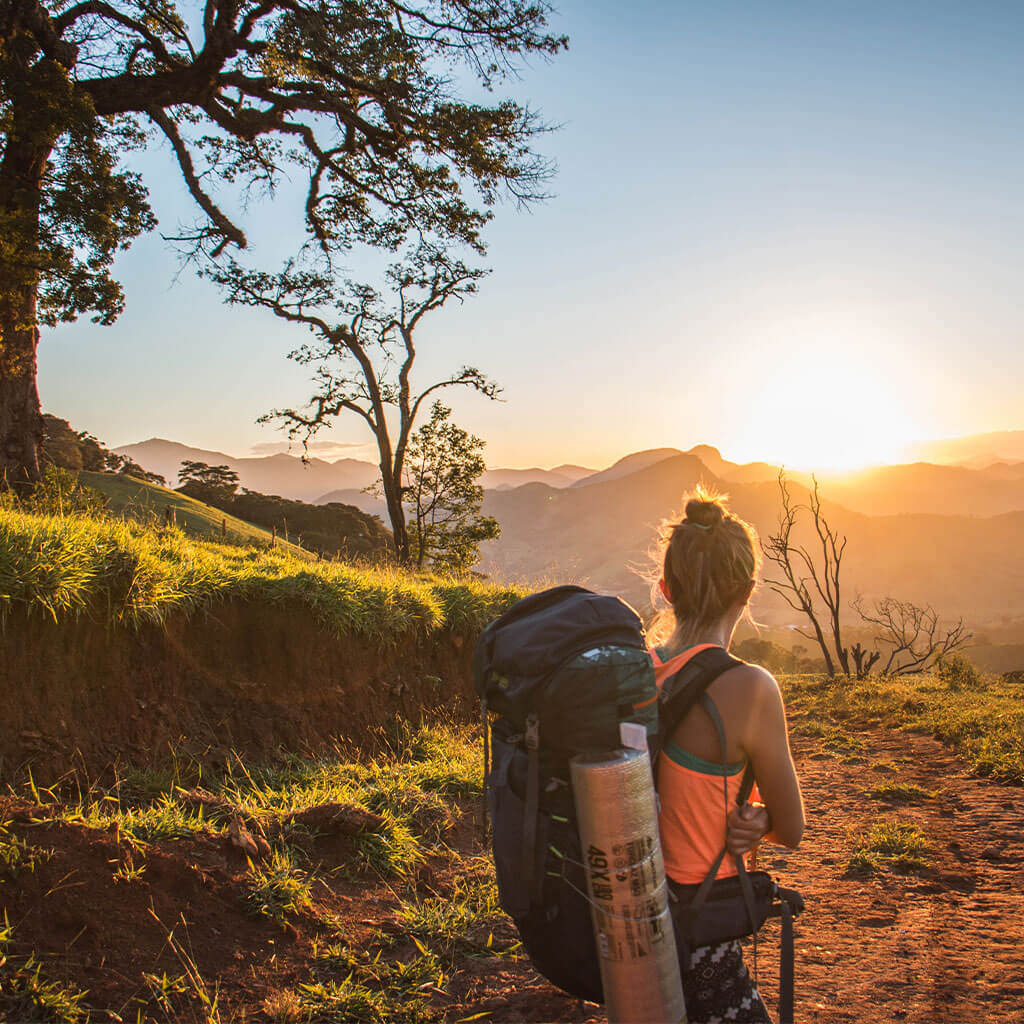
(940, 946)
(945, 945)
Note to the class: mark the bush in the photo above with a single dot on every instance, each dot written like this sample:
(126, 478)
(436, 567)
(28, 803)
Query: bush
(957, 672)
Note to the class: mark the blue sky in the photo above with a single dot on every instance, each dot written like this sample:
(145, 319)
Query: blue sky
(790, 230)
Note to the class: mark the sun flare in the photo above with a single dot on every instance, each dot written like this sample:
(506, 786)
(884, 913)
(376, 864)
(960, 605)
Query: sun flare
(831, 404)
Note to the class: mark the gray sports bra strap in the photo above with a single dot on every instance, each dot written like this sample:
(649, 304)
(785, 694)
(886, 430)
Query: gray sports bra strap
(745, 786)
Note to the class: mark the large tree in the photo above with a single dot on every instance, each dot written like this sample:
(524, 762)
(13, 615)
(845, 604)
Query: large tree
(359, 96)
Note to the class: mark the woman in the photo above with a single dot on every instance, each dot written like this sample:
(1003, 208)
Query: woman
(709, 573)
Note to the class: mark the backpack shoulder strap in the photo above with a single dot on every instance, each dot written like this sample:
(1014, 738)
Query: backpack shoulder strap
(685, 688)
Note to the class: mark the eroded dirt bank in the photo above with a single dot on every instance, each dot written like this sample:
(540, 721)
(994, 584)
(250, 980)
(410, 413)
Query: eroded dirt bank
(244, 677)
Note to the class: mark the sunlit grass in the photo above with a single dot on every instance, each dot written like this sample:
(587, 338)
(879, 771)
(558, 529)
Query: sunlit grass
(899, 845)
(984, 723)
(124, 572)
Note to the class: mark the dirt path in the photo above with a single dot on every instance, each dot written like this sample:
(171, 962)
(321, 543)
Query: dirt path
(945, 945)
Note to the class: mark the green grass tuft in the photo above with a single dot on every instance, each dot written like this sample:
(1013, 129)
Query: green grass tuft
(277, 888)
(127, 573)
(899, 845)
(984, 724)
(901, 793)
(26, 994)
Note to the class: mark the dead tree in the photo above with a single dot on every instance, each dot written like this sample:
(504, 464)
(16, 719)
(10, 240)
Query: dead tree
(803, 581)
(862, 660)
(912, 634)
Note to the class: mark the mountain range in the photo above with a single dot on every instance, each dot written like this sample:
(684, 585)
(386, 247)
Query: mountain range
(315, 479)
(949, 535)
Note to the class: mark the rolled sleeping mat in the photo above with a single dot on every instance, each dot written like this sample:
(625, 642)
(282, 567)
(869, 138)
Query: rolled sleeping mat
(618, 822)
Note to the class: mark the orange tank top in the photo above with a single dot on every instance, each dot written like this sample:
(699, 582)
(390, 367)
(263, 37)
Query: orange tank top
(692, 816)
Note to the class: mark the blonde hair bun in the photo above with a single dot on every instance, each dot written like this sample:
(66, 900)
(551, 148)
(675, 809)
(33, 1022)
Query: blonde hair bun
(704, 513)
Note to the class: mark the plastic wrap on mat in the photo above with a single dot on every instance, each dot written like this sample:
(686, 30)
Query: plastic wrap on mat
(618, 822)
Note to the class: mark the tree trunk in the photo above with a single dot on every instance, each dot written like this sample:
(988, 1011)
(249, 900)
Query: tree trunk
(40, 105)
(396, 513)
(21, 422)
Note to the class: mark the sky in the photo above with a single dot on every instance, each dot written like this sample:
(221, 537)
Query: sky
(790, 230)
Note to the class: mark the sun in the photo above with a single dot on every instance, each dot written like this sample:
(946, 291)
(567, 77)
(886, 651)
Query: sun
(828, 403)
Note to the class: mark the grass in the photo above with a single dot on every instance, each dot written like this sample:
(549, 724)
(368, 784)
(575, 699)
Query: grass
(984, 724)
(17, 856)
(898, 845)
(278, 888)
(901, 793)
(408, 788)
(26, 994)
(126, 495)
(131, 574)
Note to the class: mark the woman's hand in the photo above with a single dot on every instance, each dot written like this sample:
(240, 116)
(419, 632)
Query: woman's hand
(748, 825)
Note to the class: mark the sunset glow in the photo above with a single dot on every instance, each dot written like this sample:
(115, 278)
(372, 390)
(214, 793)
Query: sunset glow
(821, 401)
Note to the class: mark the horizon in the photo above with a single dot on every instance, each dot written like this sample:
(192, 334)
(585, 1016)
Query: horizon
(834, 472)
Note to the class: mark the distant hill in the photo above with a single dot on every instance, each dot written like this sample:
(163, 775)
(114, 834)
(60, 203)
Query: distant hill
(977, 450)
(318, 481)
(629, 464)
(126, 494)
(922, 487)
(560, 476)
(603, 534)
(281, 474)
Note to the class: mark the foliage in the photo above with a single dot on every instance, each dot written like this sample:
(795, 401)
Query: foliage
(212, 484)
(332, 529)
(362, 99)
(155, 506)
(128, 573)
(60, 492)
(443, 464)
(74, 450)
(364, 351)
(957, 672)
(983, 723)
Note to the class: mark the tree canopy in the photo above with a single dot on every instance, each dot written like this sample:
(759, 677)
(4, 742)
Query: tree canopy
(361, 98)
(443, 466)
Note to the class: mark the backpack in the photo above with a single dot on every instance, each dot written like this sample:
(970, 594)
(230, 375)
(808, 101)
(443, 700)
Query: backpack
(565, 670)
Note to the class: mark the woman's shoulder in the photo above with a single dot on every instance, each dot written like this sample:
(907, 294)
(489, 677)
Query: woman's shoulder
(750, 680)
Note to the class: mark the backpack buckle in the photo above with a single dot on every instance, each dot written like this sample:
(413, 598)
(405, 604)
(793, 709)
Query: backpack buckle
(532, 735)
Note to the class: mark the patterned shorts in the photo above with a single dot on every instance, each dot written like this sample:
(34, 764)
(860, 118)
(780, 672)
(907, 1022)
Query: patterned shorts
(718, 988)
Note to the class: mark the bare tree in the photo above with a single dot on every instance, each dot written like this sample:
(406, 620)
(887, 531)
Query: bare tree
(912, 633)
(364, 351)
(803, 582)
(862, 660)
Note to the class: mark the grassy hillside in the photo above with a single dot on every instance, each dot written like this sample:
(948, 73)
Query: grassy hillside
(127, 572)
(126, 494)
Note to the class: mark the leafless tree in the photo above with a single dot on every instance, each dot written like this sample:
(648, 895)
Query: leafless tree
(863, 660)
(803, 581)
(912, 634)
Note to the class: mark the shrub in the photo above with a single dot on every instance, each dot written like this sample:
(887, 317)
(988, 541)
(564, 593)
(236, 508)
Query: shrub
(957, 672)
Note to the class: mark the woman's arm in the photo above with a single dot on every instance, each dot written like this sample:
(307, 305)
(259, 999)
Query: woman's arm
(766, 743)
